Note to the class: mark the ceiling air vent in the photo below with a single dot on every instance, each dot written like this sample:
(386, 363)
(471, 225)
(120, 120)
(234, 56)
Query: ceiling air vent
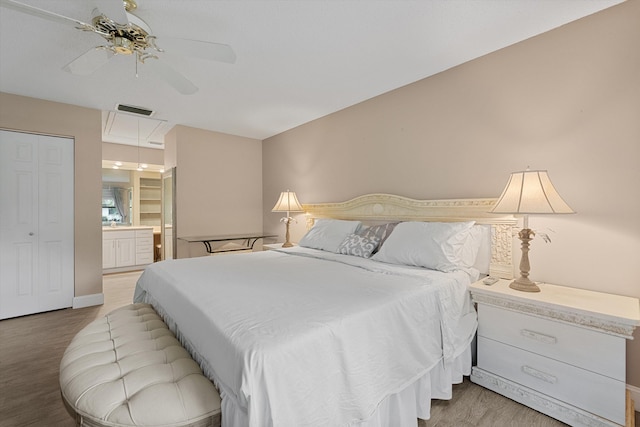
(134, 110)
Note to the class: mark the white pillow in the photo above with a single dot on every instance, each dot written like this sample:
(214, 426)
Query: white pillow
(477, 237)
(328, 234)
(481, 235)
(433, 245)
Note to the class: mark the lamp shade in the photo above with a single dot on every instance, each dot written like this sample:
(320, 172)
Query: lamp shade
(531, 192)
(288, 202)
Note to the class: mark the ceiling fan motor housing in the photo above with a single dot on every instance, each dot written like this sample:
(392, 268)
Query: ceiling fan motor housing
(125, 39)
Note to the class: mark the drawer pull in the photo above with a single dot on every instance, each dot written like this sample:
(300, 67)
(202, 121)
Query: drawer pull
(539, 374)
(548, 339)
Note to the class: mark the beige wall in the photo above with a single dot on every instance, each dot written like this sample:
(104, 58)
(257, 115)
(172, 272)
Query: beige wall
(170, 148)
(83, 124)
(130, 153)
(219, 184)
(567, 101)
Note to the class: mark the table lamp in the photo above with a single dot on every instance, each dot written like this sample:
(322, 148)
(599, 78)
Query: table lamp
(288, 202)
(527, 193)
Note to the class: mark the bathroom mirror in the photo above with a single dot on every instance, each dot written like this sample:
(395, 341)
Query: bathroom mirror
(117, 207)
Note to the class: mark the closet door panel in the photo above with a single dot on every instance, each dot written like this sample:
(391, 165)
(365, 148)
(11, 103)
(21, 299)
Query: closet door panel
(18, 224)
(55, 223)
(36, 223)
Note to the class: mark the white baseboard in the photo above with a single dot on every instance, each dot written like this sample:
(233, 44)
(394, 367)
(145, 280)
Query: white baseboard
(88, 300)
(635, 395)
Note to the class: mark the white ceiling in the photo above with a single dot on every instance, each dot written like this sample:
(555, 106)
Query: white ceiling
(296, 60)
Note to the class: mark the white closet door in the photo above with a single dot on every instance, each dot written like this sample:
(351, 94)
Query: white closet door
(36, 223)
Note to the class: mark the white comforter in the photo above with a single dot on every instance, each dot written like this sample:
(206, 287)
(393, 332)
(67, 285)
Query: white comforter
(308, 338)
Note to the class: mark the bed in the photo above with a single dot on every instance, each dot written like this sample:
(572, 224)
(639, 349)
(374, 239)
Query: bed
(310, 336)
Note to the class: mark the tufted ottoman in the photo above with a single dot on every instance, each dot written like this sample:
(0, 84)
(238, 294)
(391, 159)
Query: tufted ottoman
(127, 369)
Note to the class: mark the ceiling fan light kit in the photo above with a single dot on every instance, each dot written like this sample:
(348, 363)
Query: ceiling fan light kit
(133, 37)
(125, 39)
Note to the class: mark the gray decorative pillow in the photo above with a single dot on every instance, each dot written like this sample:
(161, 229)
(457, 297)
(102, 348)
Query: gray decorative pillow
(379, 232)
(357, 245)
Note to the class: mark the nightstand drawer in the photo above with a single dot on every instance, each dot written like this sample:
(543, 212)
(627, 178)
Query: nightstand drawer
(584, 348)
(598, 394)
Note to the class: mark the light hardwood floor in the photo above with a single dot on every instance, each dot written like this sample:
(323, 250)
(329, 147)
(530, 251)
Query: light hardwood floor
(31, 348)
(30, 351)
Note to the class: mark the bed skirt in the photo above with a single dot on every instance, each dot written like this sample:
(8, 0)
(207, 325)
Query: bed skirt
(405, 407)
(400, 409)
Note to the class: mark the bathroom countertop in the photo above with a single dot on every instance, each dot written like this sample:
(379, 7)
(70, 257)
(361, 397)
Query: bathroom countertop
(127, 227)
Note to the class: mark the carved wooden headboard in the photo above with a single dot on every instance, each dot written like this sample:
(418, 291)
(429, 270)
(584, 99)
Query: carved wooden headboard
(374, 208)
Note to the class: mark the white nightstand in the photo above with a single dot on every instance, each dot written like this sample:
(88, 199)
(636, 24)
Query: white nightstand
(560, 351)
(269, 246)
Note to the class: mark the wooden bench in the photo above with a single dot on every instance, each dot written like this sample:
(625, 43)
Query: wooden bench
(128, 369)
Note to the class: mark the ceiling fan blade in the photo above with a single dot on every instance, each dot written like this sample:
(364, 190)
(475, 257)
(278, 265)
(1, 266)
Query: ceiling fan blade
(172, 77)
(44, 14)
(89, 61)
(198, 49)
(112, 9)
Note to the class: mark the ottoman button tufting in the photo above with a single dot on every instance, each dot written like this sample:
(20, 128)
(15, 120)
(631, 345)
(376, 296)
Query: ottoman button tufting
(128, 369)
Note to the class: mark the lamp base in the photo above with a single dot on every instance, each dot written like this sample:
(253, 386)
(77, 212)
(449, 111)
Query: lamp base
(524, 284)
(287, 243)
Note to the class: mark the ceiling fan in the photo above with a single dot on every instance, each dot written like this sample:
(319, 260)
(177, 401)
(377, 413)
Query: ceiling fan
(127, 34)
